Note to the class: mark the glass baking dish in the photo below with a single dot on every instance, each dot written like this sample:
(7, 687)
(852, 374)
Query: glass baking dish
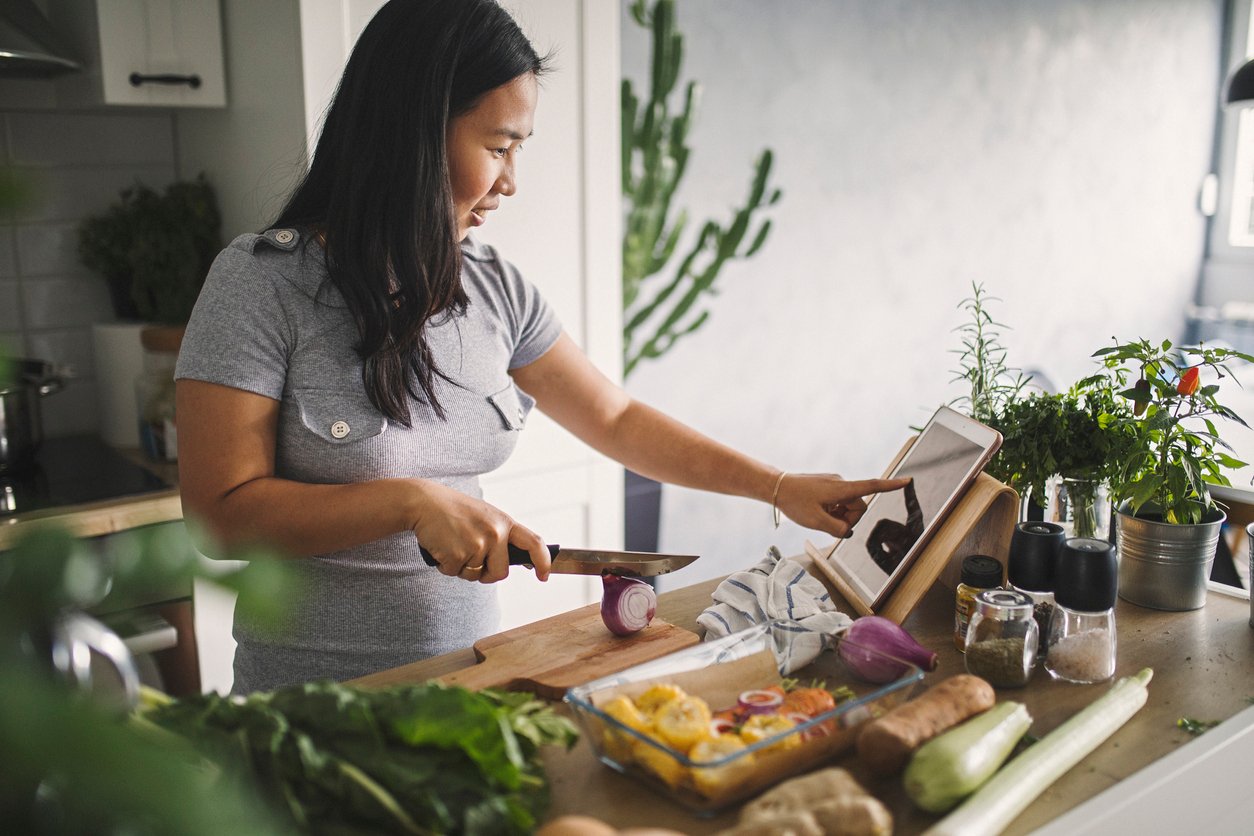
(706, 779)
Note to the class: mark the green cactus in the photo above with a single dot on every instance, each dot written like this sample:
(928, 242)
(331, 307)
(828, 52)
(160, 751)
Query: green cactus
(654, 158)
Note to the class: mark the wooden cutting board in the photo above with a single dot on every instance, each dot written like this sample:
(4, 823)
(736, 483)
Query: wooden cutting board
(549, 656)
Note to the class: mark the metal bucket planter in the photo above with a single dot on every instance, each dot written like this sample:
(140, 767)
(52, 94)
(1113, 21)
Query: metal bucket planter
(1165, 566)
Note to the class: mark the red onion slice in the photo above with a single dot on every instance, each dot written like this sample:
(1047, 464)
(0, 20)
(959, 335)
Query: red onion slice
(760, 702)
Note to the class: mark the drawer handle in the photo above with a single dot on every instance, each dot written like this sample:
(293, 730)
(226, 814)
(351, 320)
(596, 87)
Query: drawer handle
(192, 81)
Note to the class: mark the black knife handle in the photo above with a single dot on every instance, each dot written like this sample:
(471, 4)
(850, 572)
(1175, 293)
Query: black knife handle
(517, 556)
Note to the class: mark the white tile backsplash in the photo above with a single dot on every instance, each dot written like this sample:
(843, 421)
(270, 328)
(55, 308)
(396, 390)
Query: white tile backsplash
(49, 250)
(72, 194)
(65, 302)
(8, 253)
(10, 306)
(70, 348)
(12, 343)
(77, 163)
(60, 139)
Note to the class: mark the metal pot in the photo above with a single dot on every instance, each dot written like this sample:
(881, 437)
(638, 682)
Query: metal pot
(22, 384)
(1165, 566)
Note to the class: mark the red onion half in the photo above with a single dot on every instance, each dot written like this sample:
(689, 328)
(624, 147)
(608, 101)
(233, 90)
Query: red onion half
(627, 604)
(872, 635)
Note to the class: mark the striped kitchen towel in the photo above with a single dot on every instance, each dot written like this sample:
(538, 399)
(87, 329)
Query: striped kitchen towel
(776, 588)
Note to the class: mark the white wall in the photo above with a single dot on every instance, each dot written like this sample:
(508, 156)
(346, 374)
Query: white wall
(1051, 149)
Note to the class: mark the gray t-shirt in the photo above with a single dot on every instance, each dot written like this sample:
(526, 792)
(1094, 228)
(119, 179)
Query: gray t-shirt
(269, 321)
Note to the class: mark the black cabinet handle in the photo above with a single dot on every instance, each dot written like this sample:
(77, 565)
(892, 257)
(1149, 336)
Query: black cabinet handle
(192, 81)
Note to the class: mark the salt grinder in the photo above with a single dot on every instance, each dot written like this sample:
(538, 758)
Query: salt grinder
(1082, 638)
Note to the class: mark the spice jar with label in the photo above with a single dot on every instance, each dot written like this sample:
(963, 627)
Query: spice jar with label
(1082, 637)
(1034, 550)
(979, 572)
(1002, 638)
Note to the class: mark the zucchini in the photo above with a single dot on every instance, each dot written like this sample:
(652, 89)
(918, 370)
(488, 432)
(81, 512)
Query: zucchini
(954, 764)
(1006, 794)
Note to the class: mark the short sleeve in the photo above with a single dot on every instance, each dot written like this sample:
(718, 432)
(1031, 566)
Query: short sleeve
(238, 333)
(536, 324)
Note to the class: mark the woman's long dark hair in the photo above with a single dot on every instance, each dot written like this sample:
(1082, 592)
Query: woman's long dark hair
(378, 186)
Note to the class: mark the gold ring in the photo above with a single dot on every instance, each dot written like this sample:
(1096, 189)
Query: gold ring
(478, 568)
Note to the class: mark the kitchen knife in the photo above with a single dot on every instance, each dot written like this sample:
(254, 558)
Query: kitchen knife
(595, 562)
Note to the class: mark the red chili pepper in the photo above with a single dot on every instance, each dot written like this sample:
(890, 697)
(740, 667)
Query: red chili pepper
(1189, 381)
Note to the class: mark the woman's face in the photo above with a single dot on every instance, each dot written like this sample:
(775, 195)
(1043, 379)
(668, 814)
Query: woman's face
(483, 144)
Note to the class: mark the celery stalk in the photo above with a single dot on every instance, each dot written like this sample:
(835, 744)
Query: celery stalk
(996, 804)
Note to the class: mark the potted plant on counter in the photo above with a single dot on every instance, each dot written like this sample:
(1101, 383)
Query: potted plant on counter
(154, 250)
(1167, 523)
(1060, 450)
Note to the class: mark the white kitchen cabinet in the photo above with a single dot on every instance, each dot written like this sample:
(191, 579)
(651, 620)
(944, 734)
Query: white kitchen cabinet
(156, 53)
(161, 52)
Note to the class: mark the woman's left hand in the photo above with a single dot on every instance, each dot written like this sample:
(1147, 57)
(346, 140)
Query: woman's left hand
(826, 502)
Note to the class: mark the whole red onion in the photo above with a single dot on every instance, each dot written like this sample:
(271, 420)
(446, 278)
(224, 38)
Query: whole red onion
(873, 648)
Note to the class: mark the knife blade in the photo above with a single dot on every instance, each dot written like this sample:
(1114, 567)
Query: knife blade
(596, 562)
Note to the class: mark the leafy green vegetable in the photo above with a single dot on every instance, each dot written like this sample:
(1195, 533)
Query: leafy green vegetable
(412, 759)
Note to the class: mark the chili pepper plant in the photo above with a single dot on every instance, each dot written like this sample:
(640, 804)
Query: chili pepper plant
(1175, 450)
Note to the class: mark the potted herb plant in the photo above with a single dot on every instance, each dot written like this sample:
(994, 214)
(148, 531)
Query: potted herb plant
(154, 250)
(1168, 524)
(1061, 450)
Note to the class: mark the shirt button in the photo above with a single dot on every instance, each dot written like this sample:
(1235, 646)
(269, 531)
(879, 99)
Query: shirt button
(339, 429)
(284, 236)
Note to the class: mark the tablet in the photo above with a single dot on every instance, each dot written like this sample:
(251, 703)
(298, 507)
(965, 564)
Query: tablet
(942, 462)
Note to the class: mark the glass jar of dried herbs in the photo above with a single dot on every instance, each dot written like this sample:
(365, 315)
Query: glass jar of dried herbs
(1002, 638)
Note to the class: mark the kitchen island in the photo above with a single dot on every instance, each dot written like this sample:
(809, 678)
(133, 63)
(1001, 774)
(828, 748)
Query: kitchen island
(1203, 665)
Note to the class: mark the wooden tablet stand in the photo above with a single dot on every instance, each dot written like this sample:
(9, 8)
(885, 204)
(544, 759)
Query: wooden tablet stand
(981, 523)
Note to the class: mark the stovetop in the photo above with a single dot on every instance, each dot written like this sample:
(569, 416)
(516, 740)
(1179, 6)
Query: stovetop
(72, 471)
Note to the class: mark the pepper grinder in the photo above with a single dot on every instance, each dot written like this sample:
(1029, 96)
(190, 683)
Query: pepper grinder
(1034, 551)
(1082, 637)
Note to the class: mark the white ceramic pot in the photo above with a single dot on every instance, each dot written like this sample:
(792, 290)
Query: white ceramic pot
(119, 359)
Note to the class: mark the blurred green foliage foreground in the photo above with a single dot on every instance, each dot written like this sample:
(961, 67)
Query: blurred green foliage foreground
(320, 757)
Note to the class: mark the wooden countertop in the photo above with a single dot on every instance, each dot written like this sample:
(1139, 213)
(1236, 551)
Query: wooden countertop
(94, 519)
(1203, 665)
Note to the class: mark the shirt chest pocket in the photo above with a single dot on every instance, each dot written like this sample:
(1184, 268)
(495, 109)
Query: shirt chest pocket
(338, 417)
(512, 405)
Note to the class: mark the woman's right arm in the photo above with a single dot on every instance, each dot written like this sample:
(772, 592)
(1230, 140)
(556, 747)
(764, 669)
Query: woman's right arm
(226, 444)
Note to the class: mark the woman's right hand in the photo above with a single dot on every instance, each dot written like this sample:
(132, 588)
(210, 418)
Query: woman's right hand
(470, 538)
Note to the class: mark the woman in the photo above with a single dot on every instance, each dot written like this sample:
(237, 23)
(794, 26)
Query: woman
(348, 374)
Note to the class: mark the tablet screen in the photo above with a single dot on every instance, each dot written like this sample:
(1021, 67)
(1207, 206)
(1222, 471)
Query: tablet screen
(939, 461)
